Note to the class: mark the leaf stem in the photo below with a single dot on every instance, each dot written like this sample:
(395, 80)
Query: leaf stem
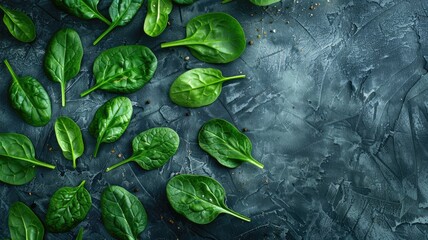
(9, 68)
(119, 164)
(233, 77)
(35, 162)
(74, 163)
(238, 215)
(253, 161)
(226, 1)
(89, 90)
(109, 29)
(97, 147)
(102, 18)
(181, 42)
(63, 93)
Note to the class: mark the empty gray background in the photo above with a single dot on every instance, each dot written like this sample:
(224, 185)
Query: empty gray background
(335, 103)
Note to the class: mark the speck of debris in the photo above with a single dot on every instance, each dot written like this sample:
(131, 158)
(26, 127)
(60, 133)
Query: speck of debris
(50, 149)
(136, 190)
(30, 193)
(187, 114)
(252, 14)
(273, 31)
(119, 155)
(245, 129)
(113, 151)
(186, 58)
(251, 42)
(148, 102)
(259, 36)
(169, 23)
(171, 221)
(287, 22)
(265, 33)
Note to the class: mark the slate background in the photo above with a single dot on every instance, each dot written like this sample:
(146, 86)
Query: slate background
(335, 104)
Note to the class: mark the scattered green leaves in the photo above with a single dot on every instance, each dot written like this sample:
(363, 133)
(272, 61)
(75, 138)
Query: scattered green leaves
(152, 148)
(123, 69)
(69, 138)
(198, 87)
(123, 214)
(29, 98)
(213, 38)
(157, 16)
(111, 120)
(86, 9)
(199, 198)
(67, 208)
(17, 159)
(121, 12)
(226, 143)
(264, 2)
(63, 58)
(24, 224)
(19, 24)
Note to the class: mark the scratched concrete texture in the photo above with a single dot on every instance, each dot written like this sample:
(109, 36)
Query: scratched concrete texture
(335, 103)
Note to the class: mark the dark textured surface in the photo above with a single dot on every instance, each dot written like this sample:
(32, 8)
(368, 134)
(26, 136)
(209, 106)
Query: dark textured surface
(335, 103)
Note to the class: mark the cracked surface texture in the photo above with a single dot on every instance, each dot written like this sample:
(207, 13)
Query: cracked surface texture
(335, 103)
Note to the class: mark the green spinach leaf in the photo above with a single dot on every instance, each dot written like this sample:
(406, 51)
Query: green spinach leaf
(184, 2)
(19, 25)
(264, 2)
(226, 143)
(67, 208)
(30, 99)
(86, 9)
(213, 38)
(17, 159)
(63, 58)
(111, 120)
(199, 198)
(69, 138)
(198, 87)
(123, 214)
(123, 69)
(157, 16)
(152, 148)
(24, 224)
(121, 13)
(80, 234)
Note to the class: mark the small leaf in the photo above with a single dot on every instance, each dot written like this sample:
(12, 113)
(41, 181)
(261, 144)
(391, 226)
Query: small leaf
(200, 199)
(152, 148)
(24, 224)
(67, 208)
(123, 214)
(86, 9)
(157, 16)
(19, 25)
(226, 143)
(69, 138)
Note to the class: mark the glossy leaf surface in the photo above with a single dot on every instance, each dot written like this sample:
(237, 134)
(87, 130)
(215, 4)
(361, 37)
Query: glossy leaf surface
(24, 224)
(19, 24)
(86, 9)
(157, 16)
(69, 137)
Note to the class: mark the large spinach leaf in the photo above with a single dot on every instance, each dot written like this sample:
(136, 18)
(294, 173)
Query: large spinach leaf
(29, 98)
(69, 138)
(17, 159)
(199, 198)
(63, 58)
(123, 214)
(213, 38)
(67, 208)
(24, 224)
(86, 9)
(19, 24)
(198, 87)
(111, 120)
(226, 143)
(157, 16)
(123, 69)
(121, 13)
(264, 2)
(152, 148)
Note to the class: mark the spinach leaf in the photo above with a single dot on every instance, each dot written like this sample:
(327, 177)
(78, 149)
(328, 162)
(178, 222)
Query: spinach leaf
(69, 138)
(30, 99)
(67, 208)
(264, 2)
(123, 214)
(213, 38)
(86, 9)
(157, 17)
(111, 120)
(226, 143)
(152, 148)
(123, 69)
(199, 198)
(184, 2)
(198, 87)
(63, 58)
(24, 224)
(121, 13)
(19, 25)
(80, 234)
(17, 159)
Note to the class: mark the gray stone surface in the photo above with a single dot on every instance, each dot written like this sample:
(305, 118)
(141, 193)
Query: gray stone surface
(335, 104)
